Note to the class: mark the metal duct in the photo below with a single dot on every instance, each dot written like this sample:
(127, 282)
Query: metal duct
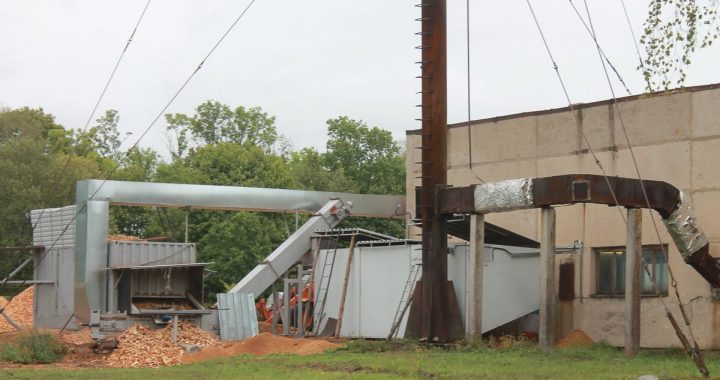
(515, 194)
(684, 230)
(662, 197)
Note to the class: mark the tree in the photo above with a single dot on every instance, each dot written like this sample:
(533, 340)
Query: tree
(673, 30)
(214, 123)
(105, 136)
(33, 151)
(237, 243)
(370, 157)
(372, 160)
(309, 171)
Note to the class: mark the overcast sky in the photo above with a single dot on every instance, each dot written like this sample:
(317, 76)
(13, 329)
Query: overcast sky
(306, 61)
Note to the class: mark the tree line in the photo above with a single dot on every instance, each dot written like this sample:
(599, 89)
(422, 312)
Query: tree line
(216, 145)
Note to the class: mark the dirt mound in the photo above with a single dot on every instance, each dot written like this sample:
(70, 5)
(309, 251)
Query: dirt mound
(576, 338)
(140, 346)
(264, 344)
(20, 310)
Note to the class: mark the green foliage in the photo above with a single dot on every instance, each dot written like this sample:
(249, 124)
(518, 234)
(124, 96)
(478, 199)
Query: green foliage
(214, 122)
(33, 151)
(32, 347)
(237, 244)
(217, 145)
(104, 138)
(673, 30)
(370, 157)
(310, 172)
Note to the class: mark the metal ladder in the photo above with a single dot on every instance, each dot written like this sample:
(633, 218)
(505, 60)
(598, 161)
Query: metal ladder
(323, 285)
(405, 299)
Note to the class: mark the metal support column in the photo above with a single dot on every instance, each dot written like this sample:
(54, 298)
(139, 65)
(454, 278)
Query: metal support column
(286, 306)
(548, 286)
(435, 308)
(476, 262)
(633, 263)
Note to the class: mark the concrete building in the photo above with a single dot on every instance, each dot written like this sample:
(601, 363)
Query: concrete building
(676, 139)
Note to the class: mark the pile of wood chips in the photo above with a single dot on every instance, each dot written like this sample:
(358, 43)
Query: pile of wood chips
(20, 310)
(140, 346)
(123, 237)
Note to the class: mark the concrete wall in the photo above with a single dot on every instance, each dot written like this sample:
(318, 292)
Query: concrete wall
(676, 138)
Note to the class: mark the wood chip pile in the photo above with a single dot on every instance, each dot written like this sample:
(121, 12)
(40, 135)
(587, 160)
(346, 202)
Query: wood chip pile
(123, 237)
(576, 338)
(20, 310)
(140, 346)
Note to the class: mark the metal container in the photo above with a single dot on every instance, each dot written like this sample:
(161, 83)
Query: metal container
(378, 275)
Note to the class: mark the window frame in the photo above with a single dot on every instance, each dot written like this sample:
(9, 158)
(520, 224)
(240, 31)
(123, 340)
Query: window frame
(656, 249)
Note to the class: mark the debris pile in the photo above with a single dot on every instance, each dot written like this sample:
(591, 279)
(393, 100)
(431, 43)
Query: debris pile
(140, 346)
(576, 338)
(77, 338)
(20, 310)
(265, 344)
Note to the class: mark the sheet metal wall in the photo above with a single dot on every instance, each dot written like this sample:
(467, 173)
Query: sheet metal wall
(510, 282)
(51, 223)
(237, 316)
(138, 253)
(54, 303)
(378, 275)
(377, 278)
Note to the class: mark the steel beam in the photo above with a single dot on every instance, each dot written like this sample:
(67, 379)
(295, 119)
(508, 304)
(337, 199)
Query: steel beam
(93, 198)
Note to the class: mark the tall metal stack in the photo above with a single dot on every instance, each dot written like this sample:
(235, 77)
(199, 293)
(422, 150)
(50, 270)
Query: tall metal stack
(436, 320)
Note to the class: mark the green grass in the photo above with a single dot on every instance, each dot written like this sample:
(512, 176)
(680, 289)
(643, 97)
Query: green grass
(32, 347)
(370, 360)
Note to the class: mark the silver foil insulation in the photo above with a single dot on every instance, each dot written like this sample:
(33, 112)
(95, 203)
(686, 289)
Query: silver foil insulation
(683, 228)
(510, 195)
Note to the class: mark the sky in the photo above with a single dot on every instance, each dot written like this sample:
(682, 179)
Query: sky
(307, 61)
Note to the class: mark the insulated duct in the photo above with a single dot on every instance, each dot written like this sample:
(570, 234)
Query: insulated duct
(520, 194)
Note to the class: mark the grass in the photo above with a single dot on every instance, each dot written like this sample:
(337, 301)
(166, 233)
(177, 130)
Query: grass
(373, 360)
(32, 347)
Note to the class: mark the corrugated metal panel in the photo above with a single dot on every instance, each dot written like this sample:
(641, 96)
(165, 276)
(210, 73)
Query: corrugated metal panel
(136, 253)
(52, 222)
(160, 282)
(54, 303)
(236, 312)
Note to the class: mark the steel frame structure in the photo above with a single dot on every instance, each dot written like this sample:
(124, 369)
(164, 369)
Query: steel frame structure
(94, 197)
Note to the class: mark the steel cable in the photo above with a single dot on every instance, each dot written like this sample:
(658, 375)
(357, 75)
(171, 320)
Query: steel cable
(172, 99)
(642, 187)
(97, 104)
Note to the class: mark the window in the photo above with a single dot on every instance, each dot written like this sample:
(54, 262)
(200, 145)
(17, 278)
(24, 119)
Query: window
(611, 270)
